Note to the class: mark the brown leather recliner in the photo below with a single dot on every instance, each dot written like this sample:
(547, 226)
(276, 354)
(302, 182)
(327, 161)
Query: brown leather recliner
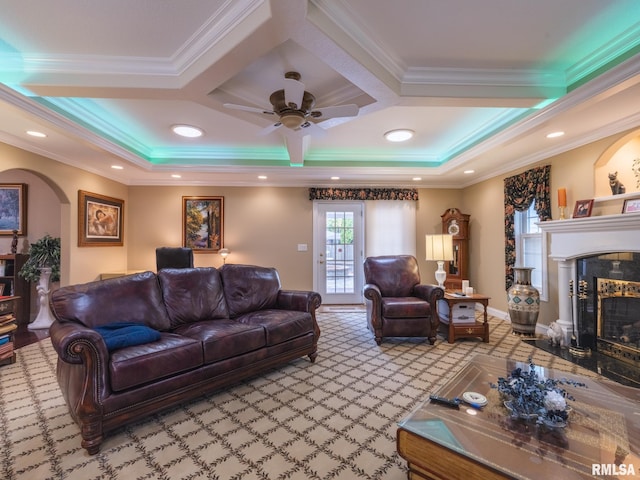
(397, 304)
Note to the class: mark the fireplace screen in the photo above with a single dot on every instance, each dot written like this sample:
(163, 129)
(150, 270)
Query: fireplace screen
(619, 319)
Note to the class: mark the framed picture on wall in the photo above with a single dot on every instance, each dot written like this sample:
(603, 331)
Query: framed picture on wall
(631, 205)
(13, 208)
(203, 223)
(100, 220)
(583, 208)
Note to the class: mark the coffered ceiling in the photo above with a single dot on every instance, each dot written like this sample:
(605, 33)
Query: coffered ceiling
(480, 83)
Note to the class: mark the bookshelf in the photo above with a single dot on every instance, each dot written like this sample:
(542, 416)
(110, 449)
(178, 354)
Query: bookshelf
(8, 327)
(15, 285)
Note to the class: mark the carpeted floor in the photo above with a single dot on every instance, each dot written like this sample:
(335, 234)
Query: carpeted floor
(335, 419)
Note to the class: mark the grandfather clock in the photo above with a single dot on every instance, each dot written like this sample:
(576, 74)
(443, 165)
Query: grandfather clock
(456, 223)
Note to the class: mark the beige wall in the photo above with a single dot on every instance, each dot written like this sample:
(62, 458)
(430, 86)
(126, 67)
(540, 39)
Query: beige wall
(264, 225)
(63, 182)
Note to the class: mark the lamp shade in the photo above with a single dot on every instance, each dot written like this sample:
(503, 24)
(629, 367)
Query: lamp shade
(439, 247)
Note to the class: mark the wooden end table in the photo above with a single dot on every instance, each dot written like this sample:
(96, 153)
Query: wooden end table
(462, 330)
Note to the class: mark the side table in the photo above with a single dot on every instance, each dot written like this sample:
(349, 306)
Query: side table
(473, 328)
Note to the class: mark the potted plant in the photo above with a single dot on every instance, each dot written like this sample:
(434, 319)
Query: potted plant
(42, 266)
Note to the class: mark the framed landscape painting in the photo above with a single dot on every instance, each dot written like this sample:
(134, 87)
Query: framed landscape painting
(13, 208)
(203, 223)
(100, 220)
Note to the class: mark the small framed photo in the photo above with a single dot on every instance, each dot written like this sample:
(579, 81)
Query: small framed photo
(583, 208)
(631, 205)
(13, 209)
(100, 220)
(203, 223)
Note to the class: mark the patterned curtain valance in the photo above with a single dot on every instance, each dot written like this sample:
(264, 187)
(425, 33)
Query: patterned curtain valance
(363, 194)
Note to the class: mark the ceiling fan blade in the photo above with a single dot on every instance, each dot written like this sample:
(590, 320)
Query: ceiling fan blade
(310, 128)
(246, 108)
(270, 129)
(293, 92)
(350, 110)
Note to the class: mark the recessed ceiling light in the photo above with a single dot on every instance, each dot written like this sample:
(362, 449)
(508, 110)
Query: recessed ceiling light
(175, 175)
(262, 177)
(34, 133)
(188, 131)
(335, 178)
(469, 171)
(117, 167)
(399, 135)
(417, 179)
(555, 134)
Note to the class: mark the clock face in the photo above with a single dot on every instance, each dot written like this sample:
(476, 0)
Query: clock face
(453, 228)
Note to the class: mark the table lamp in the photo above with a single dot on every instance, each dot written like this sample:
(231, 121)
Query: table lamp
(224, 253)
(440, 249)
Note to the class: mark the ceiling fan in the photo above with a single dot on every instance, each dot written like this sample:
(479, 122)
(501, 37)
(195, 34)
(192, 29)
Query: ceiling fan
(294, 107)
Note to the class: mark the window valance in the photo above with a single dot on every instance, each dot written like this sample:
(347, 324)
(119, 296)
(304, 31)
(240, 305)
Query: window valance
(363, 194)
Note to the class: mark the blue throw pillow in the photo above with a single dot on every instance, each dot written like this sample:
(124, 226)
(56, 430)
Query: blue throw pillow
(126, 334)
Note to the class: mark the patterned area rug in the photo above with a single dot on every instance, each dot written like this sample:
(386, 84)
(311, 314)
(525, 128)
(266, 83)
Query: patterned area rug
(335, 419)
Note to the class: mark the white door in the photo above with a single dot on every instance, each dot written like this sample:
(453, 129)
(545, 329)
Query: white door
(338, 249)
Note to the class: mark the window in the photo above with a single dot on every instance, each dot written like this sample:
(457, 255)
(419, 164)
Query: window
(531, 248)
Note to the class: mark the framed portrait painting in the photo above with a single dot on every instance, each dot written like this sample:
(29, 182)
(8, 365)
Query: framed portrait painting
(13, 209)
(100, 220)
(583, 208)
(203, 223)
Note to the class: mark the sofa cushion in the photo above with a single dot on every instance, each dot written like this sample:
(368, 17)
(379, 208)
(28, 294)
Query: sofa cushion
(133, 298)
(172, 354)
(124, 334)
(280, 325)
(192, 294)
(248, 288)
(405, 307)
(224, 338)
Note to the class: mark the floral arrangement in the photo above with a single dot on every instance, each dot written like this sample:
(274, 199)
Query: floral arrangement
(529, 395)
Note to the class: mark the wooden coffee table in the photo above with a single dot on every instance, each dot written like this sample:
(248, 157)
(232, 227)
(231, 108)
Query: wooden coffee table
(439, 442)
(471, 329)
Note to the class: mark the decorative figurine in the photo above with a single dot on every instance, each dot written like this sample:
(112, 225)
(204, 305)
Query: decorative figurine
(617, 187)
(14, 242)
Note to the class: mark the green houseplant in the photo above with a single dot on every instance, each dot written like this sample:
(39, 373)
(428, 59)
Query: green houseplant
(42, 266)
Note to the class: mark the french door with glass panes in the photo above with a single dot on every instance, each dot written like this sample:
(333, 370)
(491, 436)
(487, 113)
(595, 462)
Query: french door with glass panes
(338, 251)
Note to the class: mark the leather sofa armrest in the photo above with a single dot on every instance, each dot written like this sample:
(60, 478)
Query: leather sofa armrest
(303, 301)
(76, 343)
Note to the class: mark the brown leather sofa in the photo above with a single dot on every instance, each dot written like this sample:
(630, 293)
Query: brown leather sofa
(216, 327)
(397, 304)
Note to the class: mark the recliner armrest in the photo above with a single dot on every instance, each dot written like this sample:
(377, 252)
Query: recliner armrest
(429, 293)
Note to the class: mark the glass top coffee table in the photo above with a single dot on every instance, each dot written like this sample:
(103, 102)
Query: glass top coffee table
(602, 439)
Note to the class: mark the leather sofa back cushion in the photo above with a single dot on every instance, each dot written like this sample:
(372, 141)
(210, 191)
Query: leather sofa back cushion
(394, 275)
(192, 294)
(248, 288)
(133, 298)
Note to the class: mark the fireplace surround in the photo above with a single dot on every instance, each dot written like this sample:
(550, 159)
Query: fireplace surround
(598, 261)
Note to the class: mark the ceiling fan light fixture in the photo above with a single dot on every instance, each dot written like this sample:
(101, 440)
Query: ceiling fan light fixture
(399, 135)
(188, 131)
(292, 119)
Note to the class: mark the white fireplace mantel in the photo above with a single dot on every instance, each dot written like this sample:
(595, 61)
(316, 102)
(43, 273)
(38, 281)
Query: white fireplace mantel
(583, 237)
(580, 237)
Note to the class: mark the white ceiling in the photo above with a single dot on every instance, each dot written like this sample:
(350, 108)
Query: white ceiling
(481, 84)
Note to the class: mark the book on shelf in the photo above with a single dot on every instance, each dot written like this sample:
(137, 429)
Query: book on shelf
(8, 327)
(6, 348)
(9, 317)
